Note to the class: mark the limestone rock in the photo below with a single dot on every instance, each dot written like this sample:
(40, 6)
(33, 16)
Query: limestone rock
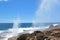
(52, 33)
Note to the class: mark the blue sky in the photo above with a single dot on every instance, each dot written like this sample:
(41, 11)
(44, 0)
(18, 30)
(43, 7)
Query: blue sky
(28, 10)
(25, 9)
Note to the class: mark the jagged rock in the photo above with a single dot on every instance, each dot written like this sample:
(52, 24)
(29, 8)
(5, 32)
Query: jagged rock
(39, 35)
(47, 33)
(31, 37)
(55, 34)
(52, 33)
(23, 37)
(13, 38)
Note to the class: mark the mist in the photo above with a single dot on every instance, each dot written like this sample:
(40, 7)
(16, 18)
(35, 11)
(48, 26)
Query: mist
(44, 11)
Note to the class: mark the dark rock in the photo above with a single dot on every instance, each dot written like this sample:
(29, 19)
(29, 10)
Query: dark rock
(52, 33)
(23, 37)
(13, 38)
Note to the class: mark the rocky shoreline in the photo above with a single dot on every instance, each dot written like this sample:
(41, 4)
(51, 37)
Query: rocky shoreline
(52, 33)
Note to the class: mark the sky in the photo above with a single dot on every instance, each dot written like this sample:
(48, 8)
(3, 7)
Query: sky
(11, 9)
(29, 10)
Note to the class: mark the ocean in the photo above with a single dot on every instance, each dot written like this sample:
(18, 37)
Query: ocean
(5, 26)
(6, 29)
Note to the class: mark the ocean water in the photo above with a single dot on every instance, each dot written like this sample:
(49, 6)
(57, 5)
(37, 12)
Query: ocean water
(5, 26)
(7, 31)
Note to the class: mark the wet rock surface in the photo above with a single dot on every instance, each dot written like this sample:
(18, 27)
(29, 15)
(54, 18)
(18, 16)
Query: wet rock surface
(49, 34)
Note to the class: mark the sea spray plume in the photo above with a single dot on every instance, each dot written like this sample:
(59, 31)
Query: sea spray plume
(33, 23)
(43, 13)
(16, 26)
(47, 4)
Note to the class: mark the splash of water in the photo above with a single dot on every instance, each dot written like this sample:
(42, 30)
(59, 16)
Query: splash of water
(44, 12)
(16, 26)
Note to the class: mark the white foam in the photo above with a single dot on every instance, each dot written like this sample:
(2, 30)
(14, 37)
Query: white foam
(1, 31)
(55, 24)
(20, 30)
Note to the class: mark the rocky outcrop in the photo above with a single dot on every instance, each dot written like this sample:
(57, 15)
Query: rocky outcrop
(37, 35)
(13, 38)
(49, 34)
(23, 37)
